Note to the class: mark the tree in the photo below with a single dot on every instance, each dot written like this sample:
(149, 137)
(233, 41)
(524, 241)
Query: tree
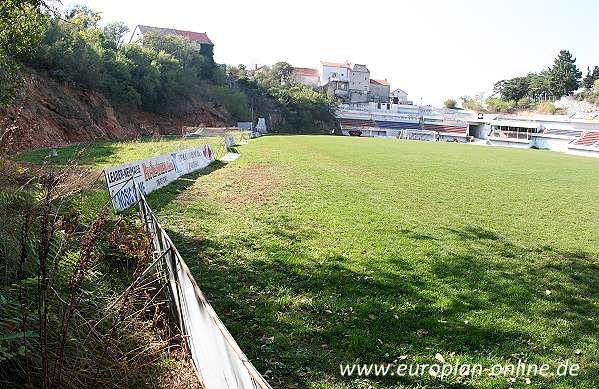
(22, 25)
(282, 71)
(512, 89)
(471, 104)
(114, 34)
(450, 103)
(589, 80)
(564, 76)
(83, 16)
(538, 86)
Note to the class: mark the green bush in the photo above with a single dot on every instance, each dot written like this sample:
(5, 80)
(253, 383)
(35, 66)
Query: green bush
(157, 76)
(165, 72)
(523, 103)
(546, 107)
(450, 103)
(499, 105)
(234, 101)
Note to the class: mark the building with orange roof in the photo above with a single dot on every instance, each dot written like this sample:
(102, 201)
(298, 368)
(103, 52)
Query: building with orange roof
(380, 90)
(306, 76)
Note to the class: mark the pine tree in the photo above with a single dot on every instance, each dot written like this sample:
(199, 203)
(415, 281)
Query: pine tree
(564, 76)
(590, 78)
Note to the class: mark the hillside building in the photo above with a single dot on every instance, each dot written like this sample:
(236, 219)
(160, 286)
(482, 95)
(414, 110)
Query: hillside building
(398, 96)
(306, 76)
(380, 91)
(204, 44)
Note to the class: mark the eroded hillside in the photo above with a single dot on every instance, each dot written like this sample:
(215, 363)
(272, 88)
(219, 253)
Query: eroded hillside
(49, 113)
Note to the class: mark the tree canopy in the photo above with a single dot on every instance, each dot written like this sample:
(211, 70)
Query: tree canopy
(564, 76)
(22, 24)
(560, 79)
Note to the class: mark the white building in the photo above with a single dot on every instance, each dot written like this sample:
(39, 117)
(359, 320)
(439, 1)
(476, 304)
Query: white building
(398, 96)
(201, 38)
(334, 71)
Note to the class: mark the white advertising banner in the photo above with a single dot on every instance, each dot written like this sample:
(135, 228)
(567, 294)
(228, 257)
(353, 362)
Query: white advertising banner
(230, 141)
(153, 173)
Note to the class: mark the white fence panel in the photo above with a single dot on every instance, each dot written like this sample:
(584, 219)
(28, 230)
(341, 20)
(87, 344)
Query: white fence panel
(153, 173)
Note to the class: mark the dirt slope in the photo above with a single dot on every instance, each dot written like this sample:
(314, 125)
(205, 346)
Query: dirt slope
(48, 113)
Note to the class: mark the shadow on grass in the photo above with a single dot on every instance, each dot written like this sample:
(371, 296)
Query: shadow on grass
(299, 316)
(164, 196)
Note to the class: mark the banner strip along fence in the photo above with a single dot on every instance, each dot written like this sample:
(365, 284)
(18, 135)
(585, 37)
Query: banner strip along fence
(153, 173)
(219, 362)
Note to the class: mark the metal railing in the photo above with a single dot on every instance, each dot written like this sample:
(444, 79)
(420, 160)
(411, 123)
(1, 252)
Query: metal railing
(218, 361)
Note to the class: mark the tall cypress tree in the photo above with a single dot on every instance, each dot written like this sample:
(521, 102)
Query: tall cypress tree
(589, 80)
(564, 76)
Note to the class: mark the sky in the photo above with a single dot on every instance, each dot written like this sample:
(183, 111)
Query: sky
(433, 50)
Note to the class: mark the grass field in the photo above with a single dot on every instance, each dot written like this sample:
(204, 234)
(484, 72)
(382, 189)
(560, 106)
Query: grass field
(104, 154)
(317, 251)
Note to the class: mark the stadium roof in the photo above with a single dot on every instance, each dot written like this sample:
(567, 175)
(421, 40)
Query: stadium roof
(199, 37)
(514, 123)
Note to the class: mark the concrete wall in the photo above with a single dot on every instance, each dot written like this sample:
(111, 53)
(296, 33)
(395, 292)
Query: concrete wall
(550, 143)
(452, 138)
(583, 153)
(479, 131)
(509, 143)
(359, 81)
(306, 80)
(379, 92)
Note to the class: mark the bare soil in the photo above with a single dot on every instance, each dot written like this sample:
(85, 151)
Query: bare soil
(47, 113)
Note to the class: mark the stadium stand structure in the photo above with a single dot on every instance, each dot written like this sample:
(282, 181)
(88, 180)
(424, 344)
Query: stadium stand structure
(357, 123)
(555, 131)
(396, 125)
(457, 130)
(588, 139)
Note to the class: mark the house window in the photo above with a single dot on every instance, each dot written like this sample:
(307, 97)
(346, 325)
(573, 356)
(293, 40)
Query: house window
(378, 106)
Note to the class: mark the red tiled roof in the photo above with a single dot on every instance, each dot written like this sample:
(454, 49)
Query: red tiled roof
(306, 72)
(336, 64)
(380, 82)
(200, 37)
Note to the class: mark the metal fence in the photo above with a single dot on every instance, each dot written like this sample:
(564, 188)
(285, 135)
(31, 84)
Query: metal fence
(219, 362)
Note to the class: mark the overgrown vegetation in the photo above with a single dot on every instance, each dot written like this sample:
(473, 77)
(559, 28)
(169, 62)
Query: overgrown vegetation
(22, 25)
(163, 74)
(71, 312)
(560, 79)
(157, 76)
(304, 108)
(535, 91)
(590, 94)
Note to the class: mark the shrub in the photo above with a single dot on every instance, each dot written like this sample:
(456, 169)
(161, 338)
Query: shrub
(499, 105)
(450, 103)
(523, 102)
(546, 107)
